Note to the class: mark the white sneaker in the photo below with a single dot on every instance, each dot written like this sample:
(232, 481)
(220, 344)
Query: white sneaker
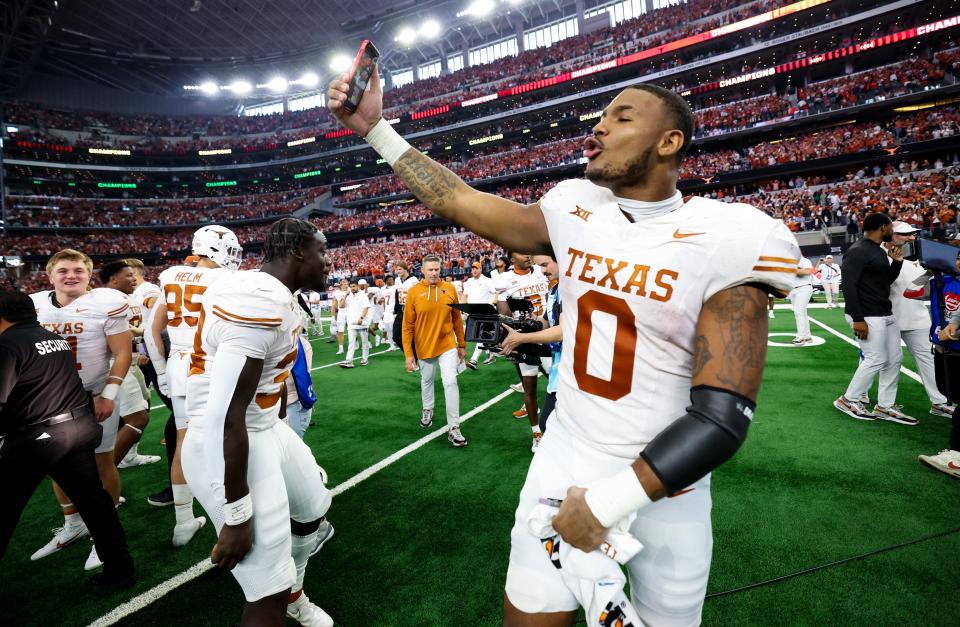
(517, 387)
(865, 398)
(426, 419)
(138, 460)
(536, 442)
(771, 314)
(489, 360)
(853, 409)
(942, 409)
(184, 532)
(340, 352)
(893, 414)
(307, 613)
(62, 538)
(324, 533)
(456, 438)
(945, 461)
(93, 560)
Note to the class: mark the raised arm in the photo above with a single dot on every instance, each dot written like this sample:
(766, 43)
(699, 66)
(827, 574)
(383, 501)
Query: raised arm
(504, 222)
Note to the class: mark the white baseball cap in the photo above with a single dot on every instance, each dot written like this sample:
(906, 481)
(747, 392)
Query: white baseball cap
(362, 282)
(904, 228)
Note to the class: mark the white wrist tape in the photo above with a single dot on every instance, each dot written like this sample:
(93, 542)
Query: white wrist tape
(614, 498)
(238, 512)
(159, 365)
(387, 142)
(110, 391)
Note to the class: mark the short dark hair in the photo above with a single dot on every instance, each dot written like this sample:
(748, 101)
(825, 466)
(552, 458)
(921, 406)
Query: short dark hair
(430, 257)
(875, 221)
(112, 268)
(681, 116)
(16, 307)
(287, 237)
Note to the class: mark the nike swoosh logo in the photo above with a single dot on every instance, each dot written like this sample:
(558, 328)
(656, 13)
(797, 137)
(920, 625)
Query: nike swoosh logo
(953, 466)
(79, 309)
(678, 235)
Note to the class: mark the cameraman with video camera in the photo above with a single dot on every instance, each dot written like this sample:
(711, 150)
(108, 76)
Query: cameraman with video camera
(552, 334)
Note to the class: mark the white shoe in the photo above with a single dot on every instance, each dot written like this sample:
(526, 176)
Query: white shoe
(771, 313)
(324, 533)
(62, 538)
(307, 613)
(138, 460)
(517, 387)
(536, 441)
(426, 419)
(865, 398)
(93, 560)
(945, 461)
(489, 360)
(854, 409)
(893, 414)
(942, 409)
(340, 352)
(456, 438)
(184, 532)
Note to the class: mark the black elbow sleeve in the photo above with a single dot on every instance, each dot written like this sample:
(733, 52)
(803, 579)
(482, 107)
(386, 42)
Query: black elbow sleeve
(711, 431)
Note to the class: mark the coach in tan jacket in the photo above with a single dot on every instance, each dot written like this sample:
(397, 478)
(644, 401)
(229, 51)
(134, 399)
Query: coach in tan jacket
(436, 329)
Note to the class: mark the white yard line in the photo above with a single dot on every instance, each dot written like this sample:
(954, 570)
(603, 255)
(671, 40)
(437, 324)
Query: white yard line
(141, 601)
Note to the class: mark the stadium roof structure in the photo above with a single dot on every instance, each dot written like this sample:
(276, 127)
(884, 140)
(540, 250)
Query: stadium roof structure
(157, 46)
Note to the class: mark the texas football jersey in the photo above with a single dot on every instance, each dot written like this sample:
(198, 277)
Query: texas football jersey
(479, 290)
(141, 301)
(531, 285)
(632, 295)
(183, 287)
(85, 324)
(403, 287)
(248, 314)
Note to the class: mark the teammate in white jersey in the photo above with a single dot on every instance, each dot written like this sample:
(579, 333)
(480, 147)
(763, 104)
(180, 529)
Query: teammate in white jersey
(183, 286)
(664, 309)
(375, 295)
(94, 323)
(340, 311)
(800, 300)
(389, 292)
(405, 280)
(525, 281)
(133, 400)
(255, 478)
(478, 289)
(316, 312)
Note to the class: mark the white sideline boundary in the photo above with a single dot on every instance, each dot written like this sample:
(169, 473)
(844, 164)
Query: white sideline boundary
(155, 593)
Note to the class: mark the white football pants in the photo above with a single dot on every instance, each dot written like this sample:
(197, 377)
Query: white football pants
(447, 363)
(881, 354)
(353, 333)
(800, 298)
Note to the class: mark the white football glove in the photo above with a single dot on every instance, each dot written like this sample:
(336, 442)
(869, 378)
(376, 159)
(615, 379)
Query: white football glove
(162, 385)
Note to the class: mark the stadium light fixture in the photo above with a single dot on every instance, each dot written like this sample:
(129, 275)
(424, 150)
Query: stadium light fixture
(406, 36)
(430, 29)
(277, 84)
(209, 88)
(240, 87)
(309, 80)
(340, 63)
(478, 8)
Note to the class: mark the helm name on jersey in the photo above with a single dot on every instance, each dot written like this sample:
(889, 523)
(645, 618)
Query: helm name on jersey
(64, 328)
(620, 275)
(188, 277)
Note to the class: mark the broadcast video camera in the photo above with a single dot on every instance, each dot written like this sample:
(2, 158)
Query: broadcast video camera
(484, 326)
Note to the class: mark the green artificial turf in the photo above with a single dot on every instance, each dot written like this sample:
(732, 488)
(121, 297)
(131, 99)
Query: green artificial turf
(425, 541)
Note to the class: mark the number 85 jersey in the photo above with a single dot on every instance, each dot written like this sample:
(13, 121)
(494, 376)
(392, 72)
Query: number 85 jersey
(632, 294)
(246, 314)
(183, 288)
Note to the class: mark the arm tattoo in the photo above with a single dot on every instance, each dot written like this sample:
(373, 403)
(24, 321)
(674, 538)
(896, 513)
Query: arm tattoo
(740, 334)
(429, 181)
(701, 353)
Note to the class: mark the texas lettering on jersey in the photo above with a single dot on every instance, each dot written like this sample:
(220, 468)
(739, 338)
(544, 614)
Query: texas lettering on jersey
(616, 274)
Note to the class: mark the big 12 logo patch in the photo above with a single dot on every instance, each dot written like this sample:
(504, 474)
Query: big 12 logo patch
(951, 301)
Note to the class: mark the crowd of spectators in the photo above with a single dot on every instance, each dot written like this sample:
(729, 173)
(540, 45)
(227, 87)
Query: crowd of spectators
(55, 211)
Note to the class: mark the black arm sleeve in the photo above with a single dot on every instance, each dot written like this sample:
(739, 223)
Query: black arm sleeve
(712, 430)
(895, 268)
(852, 270)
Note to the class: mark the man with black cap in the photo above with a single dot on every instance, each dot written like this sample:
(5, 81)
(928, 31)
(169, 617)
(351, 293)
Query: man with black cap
(47, 426)
(867, 277)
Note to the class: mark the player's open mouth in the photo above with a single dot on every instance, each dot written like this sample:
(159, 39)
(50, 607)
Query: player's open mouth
(592, 147)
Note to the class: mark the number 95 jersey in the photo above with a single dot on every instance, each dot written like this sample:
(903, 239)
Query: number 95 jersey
(632, 294)
(245, 314)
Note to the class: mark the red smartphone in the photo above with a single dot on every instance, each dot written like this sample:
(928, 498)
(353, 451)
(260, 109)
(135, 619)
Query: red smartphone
(360, 73)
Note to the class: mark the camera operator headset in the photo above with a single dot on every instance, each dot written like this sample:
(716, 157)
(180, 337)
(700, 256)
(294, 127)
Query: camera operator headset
(551, 334)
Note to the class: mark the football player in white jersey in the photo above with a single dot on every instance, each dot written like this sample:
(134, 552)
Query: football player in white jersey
(665, 334)
(526, 281)
(478, 289)
(405, 280)
(94, 323)
(179, 313)
(389, 292)
(340, 311)
(256, 479)
(133, 400)
(375, 295)
(316, 312)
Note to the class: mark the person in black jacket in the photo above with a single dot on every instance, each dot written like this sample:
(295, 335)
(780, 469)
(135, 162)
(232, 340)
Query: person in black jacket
(868, 271)
(47, 427)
